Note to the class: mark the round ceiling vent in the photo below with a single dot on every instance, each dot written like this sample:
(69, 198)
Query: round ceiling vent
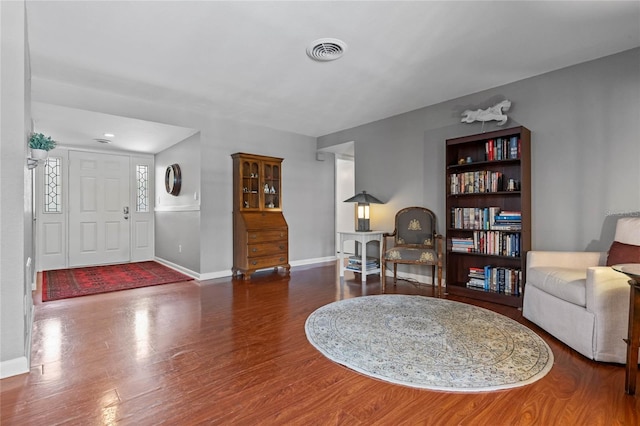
(326, 49)
(102, 140)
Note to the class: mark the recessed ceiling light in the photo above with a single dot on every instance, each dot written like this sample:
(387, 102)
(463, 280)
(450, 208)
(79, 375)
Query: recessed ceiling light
(326, 49)
(109, 135)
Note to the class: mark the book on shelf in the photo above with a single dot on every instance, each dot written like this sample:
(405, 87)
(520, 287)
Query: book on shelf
(502, 148)
(501, 217)
(477, 182)
(463, 245)
(485, 218)
(496, 279)
(510, 213)
(507, 227)
(476, 283)
(496, 243)
(476, 273)
(507, 221)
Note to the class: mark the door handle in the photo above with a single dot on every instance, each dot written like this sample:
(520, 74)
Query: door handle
(125, 210)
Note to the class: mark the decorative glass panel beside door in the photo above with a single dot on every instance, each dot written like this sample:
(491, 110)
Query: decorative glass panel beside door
(142, 184)
(52, 185)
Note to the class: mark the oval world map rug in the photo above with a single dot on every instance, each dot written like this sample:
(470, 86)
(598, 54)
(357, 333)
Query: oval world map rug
(429, 343)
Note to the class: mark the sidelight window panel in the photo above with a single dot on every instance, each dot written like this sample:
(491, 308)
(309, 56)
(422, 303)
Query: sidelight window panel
(142, 183)
(53, 185)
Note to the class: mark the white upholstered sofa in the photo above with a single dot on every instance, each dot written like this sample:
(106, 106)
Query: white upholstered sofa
(581, 302)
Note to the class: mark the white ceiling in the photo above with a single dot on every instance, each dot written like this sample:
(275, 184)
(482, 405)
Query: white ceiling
(75, 127)
(246, 61)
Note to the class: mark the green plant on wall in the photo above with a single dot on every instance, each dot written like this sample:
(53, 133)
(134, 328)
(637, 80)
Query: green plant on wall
(40, 141)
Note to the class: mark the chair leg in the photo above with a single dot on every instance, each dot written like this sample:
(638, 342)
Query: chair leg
(395, 273)
(433, 280)
(383, 265)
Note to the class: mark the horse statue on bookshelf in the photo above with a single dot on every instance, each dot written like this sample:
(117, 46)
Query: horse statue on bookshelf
(492, 113)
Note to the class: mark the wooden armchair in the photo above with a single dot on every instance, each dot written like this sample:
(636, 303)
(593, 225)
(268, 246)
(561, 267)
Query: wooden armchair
(415, 242)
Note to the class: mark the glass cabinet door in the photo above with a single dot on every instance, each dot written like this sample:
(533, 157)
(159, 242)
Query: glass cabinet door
(250, 172)
(271, 186)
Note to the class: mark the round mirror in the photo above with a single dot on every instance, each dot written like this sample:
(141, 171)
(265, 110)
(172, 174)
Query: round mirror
(173, 179)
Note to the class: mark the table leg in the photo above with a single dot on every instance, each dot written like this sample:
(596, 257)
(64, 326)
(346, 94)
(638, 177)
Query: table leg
(380, 262)
(363, 260)
(633, 342)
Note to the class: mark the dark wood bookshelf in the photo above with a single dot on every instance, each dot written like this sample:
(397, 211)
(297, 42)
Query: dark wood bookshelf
(519, 199)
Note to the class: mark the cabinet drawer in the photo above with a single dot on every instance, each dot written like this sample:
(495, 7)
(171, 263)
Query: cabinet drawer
(263, 236)
(267, 261)
(263, 249)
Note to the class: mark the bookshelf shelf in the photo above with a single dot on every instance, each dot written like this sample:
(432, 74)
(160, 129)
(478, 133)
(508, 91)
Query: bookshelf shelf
(513, 231)
(486, 194)
(476, 164)
(488, 207)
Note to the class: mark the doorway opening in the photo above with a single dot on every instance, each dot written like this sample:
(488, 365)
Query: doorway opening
(344, 154)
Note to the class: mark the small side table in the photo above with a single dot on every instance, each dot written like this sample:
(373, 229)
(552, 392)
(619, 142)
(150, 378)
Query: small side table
(632, 270)
(363, 238)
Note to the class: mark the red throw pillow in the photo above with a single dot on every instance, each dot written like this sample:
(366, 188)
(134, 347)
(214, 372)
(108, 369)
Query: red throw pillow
(623, 253)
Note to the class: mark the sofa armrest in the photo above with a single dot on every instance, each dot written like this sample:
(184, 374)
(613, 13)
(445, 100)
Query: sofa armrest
(607, 299)
(607, 291)
(566, 259)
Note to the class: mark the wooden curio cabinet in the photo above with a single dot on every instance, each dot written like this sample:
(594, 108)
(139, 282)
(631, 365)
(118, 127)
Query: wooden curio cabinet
(488, 206)
(260, 232)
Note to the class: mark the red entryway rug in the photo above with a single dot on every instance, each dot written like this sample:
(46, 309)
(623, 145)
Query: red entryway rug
(67, 283)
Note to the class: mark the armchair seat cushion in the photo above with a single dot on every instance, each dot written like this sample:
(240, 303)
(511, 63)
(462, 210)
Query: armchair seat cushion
(564, 283)
(411, 255)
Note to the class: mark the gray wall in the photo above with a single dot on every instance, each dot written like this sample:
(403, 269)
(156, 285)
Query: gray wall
(585, 124)
(206, 235)
(177, 229)
(307, 194)
(16, 234)
(174, 229)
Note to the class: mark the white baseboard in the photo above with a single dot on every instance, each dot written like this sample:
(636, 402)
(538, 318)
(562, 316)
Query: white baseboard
(425, 279)
(313, 261)
(13, 367)
(177, 267)
(228, 272)
(20, 365)
(214, 275)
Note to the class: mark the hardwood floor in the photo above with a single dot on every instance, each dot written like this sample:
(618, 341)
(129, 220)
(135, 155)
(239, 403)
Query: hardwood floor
(234, 352)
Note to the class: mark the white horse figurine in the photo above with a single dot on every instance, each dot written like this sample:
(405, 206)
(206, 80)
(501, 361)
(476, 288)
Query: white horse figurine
(491, 113)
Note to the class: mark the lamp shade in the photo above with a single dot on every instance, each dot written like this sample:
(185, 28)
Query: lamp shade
(363, 197)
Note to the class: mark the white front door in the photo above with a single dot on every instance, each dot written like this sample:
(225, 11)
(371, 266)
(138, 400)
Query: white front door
(99, 208)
